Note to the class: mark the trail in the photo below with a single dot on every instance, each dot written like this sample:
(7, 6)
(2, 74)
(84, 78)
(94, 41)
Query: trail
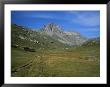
(23, 66)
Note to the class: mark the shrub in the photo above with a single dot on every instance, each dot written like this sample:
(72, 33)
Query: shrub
(14, 46)
(29, 49)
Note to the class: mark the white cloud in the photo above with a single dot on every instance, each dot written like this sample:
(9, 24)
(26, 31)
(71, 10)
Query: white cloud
(83, 18)
(43, 16)
(86, 19)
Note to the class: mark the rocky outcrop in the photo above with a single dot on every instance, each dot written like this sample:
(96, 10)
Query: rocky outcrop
(70, 38)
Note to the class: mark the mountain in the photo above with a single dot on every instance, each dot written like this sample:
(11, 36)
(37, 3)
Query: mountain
(69, 38)
(24, 37)
(92, 42)
(49, 37)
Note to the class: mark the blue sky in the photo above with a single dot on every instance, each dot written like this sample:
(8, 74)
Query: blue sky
(85, 22)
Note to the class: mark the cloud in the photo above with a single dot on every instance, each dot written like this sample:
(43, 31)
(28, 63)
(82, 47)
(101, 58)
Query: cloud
(82, 18)
(86, 18)
(42, 16)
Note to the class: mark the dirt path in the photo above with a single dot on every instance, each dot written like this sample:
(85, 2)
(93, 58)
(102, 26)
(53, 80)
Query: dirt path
(17, 69)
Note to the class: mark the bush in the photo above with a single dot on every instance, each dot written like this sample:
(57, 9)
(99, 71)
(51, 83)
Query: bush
(14, 46)
(29, 49)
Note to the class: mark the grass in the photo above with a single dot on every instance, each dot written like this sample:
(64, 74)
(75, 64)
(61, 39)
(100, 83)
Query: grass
(72, 62)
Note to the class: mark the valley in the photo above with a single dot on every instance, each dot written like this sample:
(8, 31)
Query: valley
(52, 53)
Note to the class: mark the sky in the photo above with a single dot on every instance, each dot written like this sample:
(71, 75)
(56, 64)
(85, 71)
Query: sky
(87, 23)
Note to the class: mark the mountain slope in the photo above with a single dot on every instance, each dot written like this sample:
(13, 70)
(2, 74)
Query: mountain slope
(50, 36)
(29, 38)
(92, 42)
(56, 32)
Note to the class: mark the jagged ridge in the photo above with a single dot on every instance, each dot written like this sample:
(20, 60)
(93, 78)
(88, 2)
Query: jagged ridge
(70, 38)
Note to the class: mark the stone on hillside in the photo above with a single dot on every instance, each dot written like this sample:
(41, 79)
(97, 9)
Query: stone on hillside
(29, 49)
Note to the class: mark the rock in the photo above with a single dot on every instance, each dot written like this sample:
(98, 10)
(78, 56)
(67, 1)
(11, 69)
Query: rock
(70, 38)
(29, 49)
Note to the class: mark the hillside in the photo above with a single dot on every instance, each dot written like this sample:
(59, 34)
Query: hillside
(28, 38)
(51, 36)
(92, 42)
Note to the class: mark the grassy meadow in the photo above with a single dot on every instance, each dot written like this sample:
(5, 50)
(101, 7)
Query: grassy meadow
(72, 62)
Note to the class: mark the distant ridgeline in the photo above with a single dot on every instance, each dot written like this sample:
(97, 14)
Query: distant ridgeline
(51, 36)
(92, 42)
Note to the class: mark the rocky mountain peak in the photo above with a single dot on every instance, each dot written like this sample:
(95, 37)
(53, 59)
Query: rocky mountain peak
(52, 27)
(53, 31)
